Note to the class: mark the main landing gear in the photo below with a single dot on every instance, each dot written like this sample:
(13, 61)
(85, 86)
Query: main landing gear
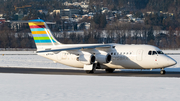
(91, 71)
(110, 70)
(162, 71)
(95, 66)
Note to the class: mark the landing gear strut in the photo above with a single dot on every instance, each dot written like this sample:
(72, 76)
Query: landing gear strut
(162, 71)
(91, 71)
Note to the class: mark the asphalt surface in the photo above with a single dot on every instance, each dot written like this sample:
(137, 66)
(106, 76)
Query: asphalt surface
(82, 72)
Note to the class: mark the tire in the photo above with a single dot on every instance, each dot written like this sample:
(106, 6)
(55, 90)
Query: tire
(163, 72)
(88, 71)
(110, 70)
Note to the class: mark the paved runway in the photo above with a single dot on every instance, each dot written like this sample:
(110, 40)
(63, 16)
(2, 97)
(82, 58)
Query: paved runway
(82, 72)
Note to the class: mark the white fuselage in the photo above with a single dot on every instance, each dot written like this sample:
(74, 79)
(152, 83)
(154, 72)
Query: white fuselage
(122, 57)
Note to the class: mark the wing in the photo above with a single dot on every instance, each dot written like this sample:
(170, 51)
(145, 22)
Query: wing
(76, 48)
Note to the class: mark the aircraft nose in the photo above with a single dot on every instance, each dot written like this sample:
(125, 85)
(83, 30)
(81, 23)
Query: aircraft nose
(171, 62)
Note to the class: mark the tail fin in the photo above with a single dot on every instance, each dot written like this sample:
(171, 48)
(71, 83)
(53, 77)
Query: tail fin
(42, 35)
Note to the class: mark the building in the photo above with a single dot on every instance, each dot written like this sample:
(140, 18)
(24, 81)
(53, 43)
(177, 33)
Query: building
(69, 12)
(84, 6)
(1, 15)
(88, 16)
(2, 20)
(18, 16)
(43, 11)
(66, 12)
(77, 4)
(56, 11)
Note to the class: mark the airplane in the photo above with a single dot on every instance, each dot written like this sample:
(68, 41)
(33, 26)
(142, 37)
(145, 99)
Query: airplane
(97, 56)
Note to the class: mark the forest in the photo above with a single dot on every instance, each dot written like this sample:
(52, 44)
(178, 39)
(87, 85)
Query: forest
(148, 5)
(115, 32)
(121, 35)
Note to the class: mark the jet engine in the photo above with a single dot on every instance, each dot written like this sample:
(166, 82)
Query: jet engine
(87, 59)
(103, 58)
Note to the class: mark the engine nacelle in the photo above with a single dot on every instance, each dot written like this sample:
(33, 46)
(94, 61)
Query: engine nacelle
(103, 58)
(87, 59)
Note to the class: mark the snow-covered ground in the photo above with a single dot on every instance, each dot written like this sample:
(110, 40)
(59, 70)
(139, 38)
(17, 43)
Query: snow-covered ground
(31, 87)
(171, 51)
(27, 59)
(35, 87)
(18, 52)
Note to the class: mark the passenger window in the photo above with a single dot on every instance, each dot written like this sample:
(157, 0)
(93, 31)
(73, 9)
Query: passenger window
(114, 53)
(111, 53)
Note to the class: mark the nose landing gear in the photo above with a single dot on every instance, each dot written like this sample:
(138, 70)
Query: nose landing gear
(162, 71)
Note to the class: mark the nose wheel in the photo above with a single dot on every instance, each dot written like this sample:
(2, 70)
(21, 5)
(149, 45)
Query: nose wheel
(163, 71)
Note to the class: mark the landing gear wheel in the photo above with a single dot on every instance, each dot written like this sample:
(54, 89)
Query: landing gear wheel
(163, 72)
(90, 71)
(110, 70)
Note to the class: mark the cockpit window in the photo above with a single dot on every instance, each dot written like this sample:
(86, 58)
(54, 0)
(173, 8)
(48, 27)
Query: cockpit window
(160, 52)
(154, 52)
(149, 53)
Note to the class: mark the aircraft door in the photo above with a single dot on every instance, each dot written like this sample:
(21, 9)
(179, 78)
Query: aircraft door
(139, 55)
(59, 56)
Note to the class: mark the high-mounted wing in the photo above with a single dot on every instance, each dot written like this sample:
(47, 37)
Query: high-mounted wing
(75, 48)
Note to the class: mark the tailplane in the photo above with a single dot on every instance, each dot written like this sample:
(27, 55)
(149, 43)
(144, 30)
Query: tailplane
(42, 35)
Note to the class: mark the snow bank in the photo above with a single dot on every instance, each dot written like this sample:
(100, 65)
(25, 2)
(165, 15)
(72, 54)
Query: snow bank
(171, 51)
(17, 52)
(29, 61)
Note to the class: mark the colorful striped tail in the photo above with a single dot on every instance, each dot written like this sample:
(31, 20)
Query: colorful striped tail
(42, 35)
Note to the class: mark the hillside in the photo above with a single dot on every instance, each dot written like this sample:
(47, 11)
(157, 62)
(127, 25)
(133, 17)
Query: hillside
(147, 5)
(153, 5)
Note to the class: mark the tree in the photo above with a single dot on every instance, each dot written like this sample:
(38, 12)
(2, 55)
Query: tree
(100, 20)
(150, 34)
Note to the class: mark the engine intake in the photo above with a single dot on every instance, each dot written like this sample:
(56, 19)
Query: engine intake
(103, 58)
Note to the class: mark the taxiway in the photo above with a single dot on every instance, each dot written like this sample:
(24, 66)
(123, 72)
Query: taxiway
(82, 72)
